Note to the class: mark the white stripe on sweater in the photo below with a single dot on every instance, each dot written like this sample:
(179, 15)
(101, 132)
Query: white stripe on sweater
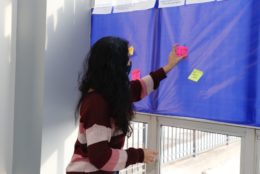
(117, 132)
(81, 166)
(82, 138)
(121, 164)
(98, 133)
(149, 83)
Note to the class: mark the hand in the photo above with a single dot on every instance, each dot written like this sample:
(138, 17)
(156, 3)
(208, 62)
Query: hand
(173, 60)
(149, 156)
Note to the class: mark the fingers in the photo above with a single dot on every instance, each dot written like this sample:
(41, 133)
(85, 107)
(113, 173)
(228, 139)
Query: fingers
(149, 156)
(181, 51)
(150, 159)
(175, 45)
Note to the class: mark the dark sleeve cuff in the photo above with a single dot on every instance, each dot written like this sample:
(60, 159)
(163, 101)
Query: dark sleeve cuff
(157, 76)
(134, 156)
(141, 155)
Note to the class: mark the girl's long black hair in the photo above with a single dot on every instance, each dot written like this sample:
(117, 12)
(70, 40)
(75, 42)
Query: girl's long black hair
(105, 71)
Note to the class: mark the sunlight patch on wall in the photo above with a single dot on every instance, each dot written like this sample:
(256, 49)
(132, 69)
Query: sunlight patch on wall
(53, 8)
(3, 172)
(50, 165)
(69, 146)
(8, 20)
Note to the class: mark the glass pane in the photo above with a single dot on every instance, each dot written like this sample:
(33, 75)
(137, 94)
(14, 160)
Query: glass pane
(186, 151)
(138, 139)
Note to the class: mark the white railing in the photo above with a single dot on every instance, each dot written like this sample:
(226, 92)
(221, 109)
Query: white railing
(179, 143)
(176, 138)
(138, 139)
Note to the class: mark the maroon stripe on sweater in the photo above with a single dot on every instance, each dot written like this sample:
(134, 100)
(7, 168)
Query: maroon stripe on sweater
(99, 154)
(80, 149)
(157, 76)
(94, 110)
(136, 89)
(117, 142)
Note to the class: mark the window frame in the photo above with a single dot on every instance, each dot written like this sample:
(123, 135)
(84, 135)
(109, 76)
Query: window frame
(250, 137)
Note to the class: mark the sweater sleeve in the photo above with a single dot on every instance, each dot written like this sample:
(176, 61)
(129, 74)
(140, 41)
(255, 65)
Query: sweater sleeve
(98, 132)
(141, 88)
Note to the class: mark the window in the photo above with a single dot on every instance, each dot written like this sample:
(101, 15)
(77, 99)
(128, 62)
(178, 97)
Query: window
(138, 139)
(186, 151)
(194, 146)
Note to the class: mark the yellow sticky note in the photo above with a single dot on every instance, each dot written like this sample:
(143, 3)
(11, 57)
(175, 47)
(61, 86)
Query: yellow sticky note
(195, 75)
(131, 51)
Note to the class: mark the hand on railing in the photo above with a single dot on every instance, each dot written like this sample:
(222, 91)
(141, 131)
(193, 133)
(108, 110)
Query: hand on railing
(149, 156)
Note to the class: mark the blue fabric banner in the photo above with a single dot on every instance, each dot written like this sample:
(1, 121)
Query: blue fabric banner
(223, 42)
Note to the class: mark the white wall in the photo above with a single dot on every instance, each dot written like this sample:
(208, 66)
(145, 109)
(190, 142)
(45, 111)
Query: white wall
(7, 70)
(67, 42)
(37, 123)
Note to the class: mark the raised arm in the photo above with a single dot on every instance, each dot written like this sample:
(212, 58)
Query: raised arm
(141, 88)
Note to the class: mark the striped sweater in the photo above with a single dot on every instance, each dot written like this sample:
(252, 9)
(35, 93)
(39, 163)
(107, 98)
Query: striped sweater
(98, 149)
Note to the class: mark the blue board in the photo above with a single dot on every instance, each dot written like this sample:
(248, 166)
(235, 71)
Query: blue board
(223, 41)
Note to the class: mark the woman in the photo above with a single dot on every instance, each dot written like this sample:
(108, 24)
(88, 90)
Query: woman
(105, 109)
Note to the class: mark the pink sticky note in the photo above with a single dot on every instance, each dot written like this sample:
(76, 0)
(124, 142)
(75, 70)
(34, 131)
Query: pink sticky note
(136, 74)
(181, 51)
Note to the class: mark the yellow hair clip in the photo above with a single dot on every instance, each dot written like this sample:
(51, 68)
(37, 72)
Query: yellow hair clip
(131, 51)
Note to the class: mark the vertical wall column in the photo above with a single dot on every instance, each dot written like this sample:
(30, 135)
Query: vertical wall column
(28, 111)
(7, 76)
